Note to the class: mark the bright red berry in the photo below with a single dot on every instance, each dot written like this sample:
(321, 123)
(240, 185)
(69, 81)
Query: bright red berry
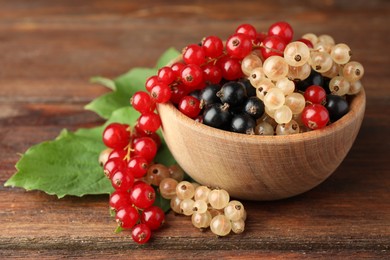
(145, 147)
(189, 106)
(142, 195)
(230, 67)
(192, 76)
(178, 91)
(141, 233)
(166, 75)
(117, 153)
(283, 30)
(127, 217)
(142, 102)
(119, 199)
(315, 116)
(307, 42)
(116, 136)
(160, 93)
(248, 30)
(151, 82)
(212, 74)
(315, 94)
(238, 45)
(194, 54)
(153, 217)
(212, 46)
(113, 165)
(272, 45)
(177, 67)
(122, 180)
(149, 122)
(138, 166)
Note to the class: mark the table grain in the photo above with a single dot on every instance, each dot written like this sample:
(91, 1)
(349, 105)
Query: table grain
(50, 49)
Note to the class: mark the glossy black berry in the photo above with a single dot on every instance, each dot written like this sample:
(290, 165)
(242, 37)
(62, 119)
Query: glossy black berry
(243, 123)
(217, 115)
(233, 93)
(326, 85)
(254, 107)
(209, 94)
(196, 94)
(337, 107)
(250, 90)
(315, 78)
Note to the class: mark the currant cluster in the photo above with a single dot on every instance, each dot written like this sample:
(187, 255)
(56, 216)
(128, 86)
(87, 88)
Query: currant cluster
(207, 207)
(229, 84)
(127, 162)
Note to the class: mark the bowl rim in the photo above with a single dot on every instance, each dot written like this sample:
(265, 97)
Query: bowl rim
(357, 107)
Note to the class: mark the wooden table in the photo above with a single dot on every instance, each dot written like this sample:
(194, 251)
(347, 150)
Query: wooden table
(49, 50)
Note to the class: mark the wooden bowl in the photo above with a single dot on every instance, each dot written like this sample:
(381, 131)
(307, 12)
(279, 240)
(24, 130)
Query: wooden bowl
(254, 167)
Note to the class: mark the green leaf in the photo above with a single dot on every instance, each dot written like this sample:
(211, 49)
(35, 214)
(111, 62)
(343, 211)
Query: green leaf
(109, 83)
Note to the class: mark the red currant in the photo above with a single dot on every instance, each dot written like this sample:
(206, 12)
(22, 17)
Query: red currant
(177, 68)
(160, 93)
(192, 76)
(138, 166)
(141, 233)
(248, 30)
(283, 30)
(230, 67)
(238, 45)
(272, 45)
(315, 116)
(151, 82)
(212, 74)
(127, 217)
(153, 217)
(259, 38)
(149, 122)
(315, 94)
(116, 136)
(307, 42)
(142, 102)
(145, 147)
(142, 195)
(166, 75)
(122, 180)
(189, 106)
(118, 153)
(212, 46)
(194, 54)
(119, 199)
(113, 165)
(178, 91)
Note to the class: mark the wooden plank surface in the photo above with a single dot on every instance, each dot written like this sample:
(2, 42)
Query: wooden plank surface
(49, 50)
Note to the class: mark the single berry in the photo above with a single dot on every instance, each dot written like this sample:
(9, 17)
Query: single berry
(194, 54)
(248, 30)
(250, 89)
(337, 107)
(212, 74)
(189, 106)
(113, 165)
(119, 199)
(212, 46)
(160, 93)
(118, 153)
(217, 115)
(141, 233)
(209, 95)
(142, 195)
(145, 147)
(192, 76)
(272, 45)
(238, 45)
(243, 123)
(230, 67)
(254, 107)
(122, 180)
(307, 42)
(166, 75)
(151, 82)
(177, 67)
(142, 102)
(137, 166)
(156, 173)
(283, 30)
(127, 217)
(153, 217)
(315, 94)
(116, 136)
(315, 116)
(149, 122)
(233, 93)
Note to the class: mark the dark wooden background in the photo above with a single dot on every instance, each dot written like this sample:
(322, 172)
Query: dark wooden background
(50, 49)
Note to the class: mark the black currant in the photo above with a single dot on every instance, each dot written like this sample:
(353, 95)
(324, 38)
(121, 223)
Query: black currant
(209, 95)
(250, 90)
(195, 94)
(217, 115)
(326, 85)
(254, 107)
(233, 93)
(243, 123)
(315, 78)
(337, 107)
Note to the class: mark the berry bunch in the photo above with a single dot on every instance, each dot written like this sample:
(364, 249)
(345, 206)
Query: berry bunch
(207, 207)
(127, 163)
(256, 83)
